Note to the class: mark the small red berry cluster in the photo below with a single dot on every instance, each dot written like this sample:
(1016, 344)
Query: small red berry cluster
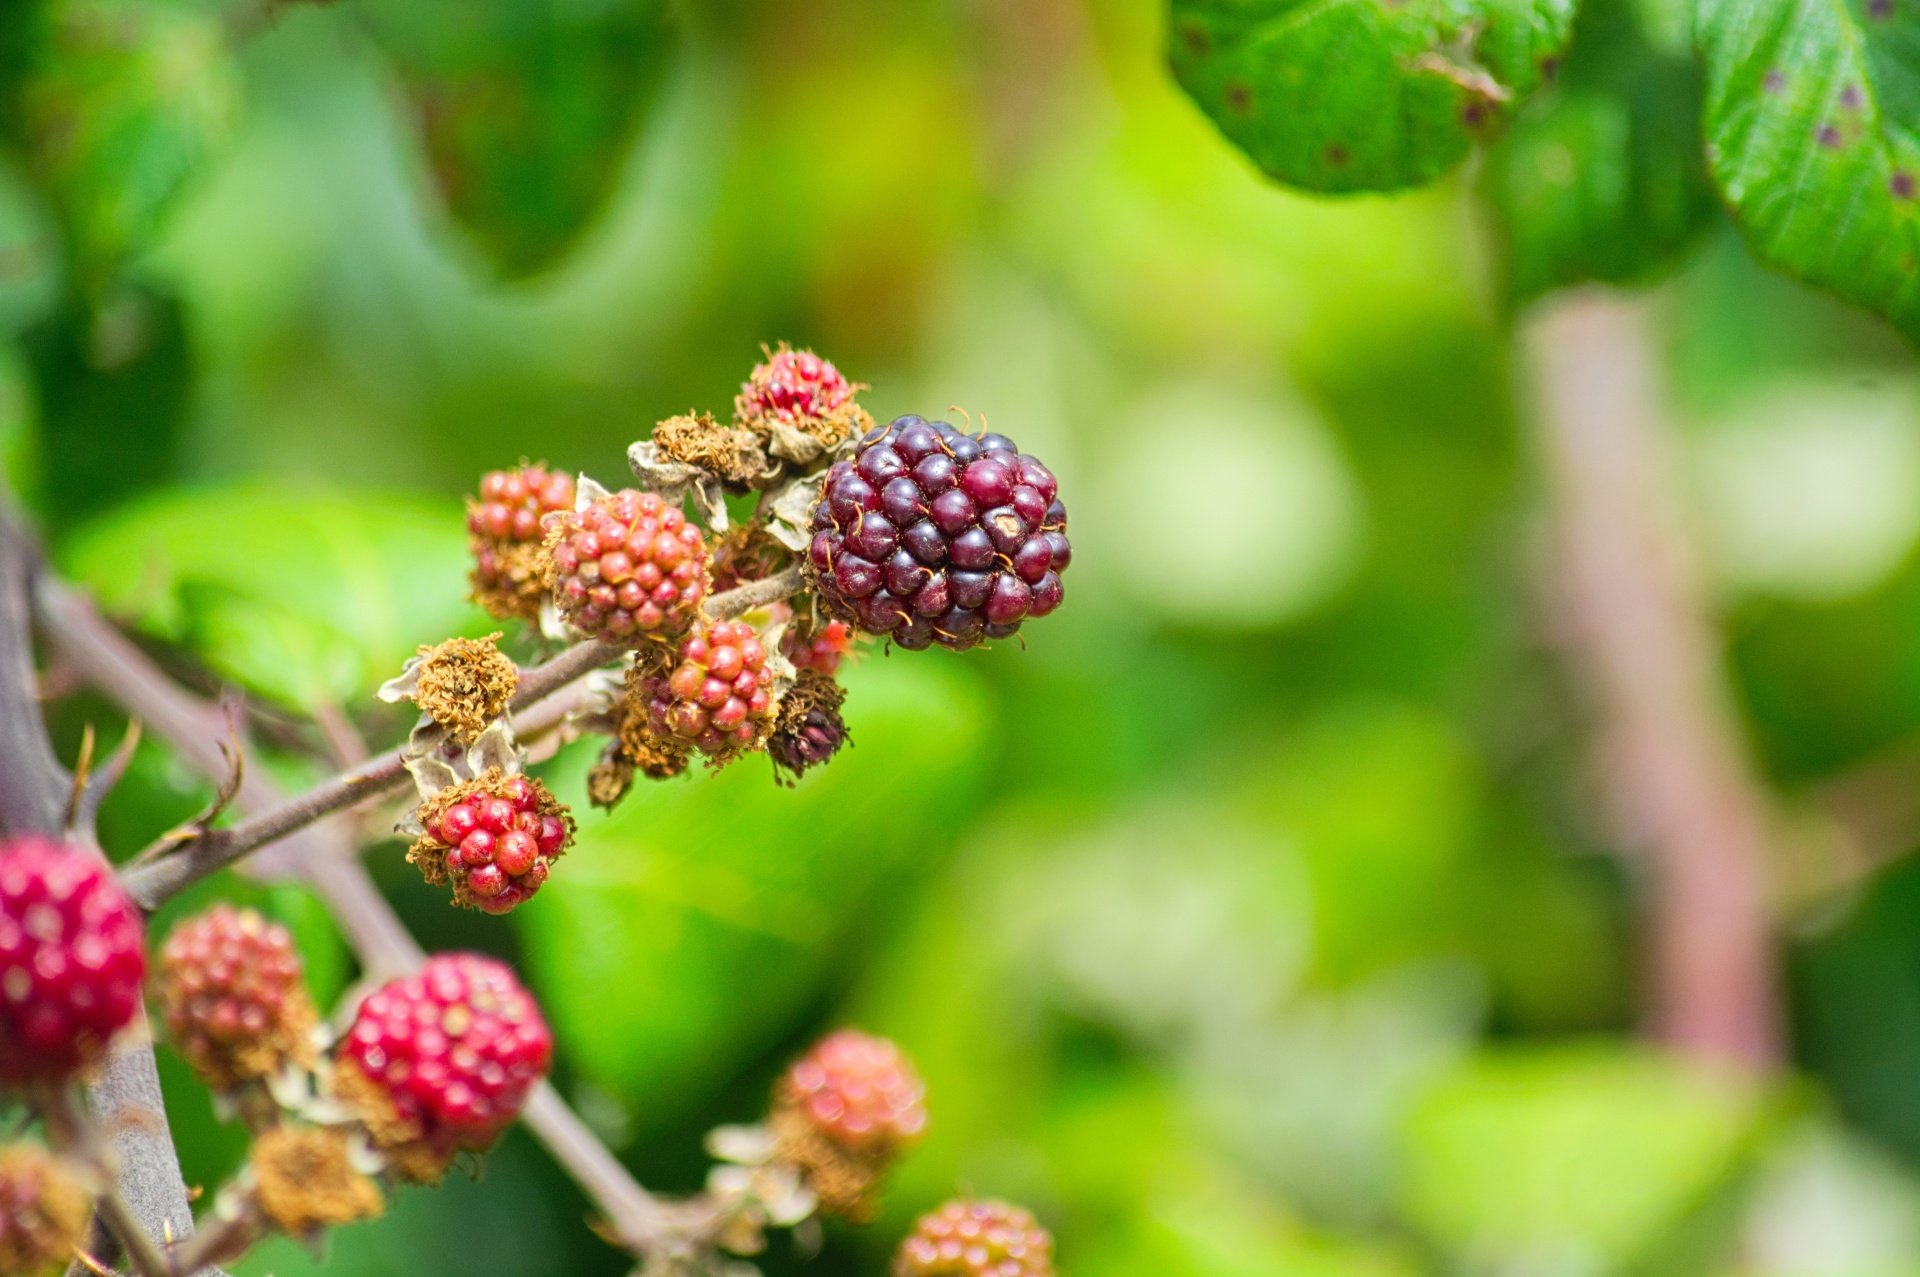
(628, 567)
(976, 1239)
(718, 698)
(235, 1004)
(799, 390)
(494, 838)
(504, 532)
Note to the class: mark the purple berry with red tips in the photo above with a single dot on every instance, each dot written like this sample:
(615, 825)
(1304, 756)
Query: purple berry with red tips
(976, 1239)
(442, 1060)
(931, 535)
(628, 568)
(719, 698)
(798, 390)
(71, 959)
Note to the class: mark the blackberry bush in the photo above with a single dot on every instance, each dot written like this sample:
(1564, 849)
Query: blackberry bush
(627, 568)
(504, 533)
(71, 960)
(932, 535)
(442, 1060)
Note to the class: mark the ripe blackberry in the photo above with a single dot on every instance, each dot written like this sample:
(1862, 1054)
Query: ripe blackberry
(821, 650)
(807, 728)
(719, 698)
(230, 988)
(931, 535)
(628, 567)
(71, 961)
(43, 1213)
(842, 1113)
(798, 390)
(442, 1060)
(494, 837)
(975, 1239)
(504, 534)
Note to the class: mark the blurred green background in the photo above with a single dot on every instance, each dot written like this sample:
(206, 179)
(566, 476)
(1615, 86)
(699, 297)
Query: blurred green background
(1254, 915)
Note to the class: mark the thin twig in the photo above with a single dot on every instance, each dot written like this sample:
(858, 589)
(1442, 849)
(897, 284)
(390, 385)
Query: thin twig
(745, 598)
(87, 814)
(1676, 766)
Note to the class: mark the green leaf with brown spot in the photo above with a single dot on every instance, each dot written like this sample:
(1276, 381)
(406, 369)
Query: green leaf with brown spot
(1812, 127)
(1364, 95)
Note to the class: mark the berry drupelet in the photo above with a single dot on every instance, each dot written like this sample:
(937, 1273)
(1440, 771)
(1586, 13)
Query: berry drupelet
(71, 960)
(975, 1239)
(843, 1112)
(230, 988)
(800, 391)
(504, 533)
(931, 535)
(718, 699)
(629, 567)
(494, 838)
(442, 1060)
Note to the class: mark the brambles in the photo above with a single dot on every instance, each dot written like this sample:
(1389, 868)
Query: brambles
(494, 838)
(796, 390)
(842, 1113)
(504, 534)
(231, 991)
(929, 534)
(975, 1239)
(71, 962)
(442, 1061)
(719, 698)
(629, 567)
(809, 730)
(43, 1213)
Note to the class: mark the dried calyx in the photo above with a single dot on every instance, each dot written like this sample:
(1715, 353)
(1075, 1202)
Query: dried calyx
(43, 1212)
(305, 1180)
(809, 730)
(696, 439)
(461, 684)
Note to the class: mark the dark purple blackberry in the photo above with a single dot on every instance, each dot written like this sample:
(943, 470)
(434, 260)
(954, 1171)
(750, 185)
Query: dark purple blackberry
(932, 535)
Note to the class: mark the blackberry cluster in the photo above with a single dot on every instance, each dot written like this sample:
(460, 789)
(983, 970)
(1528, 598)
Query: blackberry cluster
(842, 1113)
(231, 990)
(975, 1239)
(932, 535)
(628, 567)
(43, 1213)
(801, 391)
(443, 1060)
(495, 838)
(504, 533)
(71, 960)
(719, 698)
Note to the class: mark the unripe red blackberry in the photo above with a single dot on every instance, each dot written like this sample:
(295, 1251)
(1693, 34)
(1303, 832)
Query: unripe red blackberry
(628, 567)
(808, 729)
(442, 1060)
(71, 961)
(843, 1112)
(821, 650)
(504, 533)
(801, 391)
(718, 699)
(975, 1239)
(494, 838)
(931, 535)
(43, 1213)
(230, 988)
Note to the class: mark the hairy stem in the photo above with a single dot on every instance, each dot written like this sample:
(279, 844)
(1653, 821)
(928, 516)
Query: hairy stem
(1675, 765)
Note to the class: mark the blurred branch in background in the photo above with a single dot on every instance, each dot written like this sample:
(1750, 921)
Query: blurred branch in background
(1674, 768)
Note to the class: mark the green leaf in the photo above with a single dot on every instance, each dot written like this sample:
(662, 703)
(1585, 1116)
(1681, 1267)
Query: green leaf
(1601, 177)
(1572, 1157)
(127, 102)
(30, 266)
(1812, 109)
(527, 109)
(687, 929)
(301, 596)
(1357, 95)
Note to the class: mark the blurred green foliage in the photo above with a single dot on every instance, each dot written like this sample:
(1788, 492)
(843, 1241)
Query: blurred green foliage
(1252, 914)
